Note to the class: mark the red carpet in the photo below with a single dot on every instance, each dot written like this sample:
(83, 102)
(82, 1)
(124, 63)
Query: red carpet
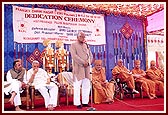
(128, 104)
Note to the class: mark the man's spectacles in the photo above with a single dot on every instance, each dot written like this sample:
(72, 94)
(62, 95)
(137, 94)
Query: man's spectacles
(152, 65)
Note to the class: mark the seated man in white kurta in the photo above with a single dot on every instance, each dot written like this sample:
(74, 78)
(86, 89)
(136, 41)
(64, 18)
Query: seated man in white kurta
(41, 80)
(16, 80)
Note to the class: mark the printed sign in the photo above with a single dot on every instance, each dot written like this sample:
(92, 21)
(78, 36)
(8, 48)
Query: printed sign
(33, 25)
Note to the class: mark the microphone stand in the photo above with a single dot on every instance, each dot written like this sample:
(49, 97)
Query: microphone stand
(91, 108)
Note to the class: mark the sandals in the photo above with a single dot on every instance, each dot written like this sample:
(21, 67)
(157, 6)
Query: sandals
(50, 107)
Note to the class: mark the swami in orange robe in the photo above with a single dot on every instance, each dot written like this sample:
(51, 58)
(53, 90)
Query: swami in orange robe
(121, 72)
(156, 75)
(147, 84)
(104, 88)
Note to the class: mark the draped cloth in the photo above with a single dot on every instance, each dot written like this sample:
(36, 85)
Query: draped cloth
(156, 76)
(65, 78)
(124, 74)
(147, 84)
(8, 86)
(105, 89)
(17, 78)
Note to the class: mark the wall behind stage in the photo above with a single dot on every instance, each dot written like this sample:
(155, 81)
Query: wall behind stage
(113, 24)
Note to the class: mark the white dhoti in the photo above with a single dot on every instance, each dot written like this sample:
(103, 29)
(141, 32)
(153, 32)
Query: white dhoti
(85, 83)
(14, 86)
(49, 93)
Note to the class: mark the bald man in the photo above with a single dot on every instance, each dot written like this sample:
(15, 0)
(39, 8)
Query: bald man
(125, 75)
(156, 75)
(104, 88)
(147, 84)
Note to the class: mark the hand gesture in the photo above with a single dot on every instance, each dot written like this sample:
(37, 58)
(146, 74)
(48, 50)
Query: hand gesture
(86, 64)
(35, 71)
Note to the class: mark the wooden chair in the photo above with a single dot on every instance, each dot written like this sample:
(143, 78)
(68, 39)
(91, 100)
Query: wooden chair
(65, 79)
(121, 88)
(138, 86)
(33, 95)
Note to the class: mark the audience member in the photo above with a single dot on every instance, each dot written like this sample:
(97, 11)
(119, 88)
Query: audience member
(104, 88)
(125, 75)
(147, 84)
(41, 80)
(157, 76)
(16, 80)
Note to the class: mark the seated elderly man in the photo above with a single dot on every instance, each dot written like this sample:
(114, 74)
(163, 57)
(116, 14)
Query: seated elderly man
(147, 84)
(125, 75)
(16, 80)
(41, 80)
(104, 88)
(157, 76)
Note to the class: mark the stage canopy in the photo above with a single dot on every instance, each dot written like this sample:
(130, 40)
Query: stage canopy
(137, 9)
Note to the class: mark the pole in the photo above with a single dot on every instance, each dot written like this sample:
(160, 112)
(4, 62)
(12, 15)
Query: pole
(116, 46)
(22, 54)
(114, 41)
(127, 53)
(18, 51)
(132, 42)
(26, 58)
(104, 56)
(14, 50)
(91, 108)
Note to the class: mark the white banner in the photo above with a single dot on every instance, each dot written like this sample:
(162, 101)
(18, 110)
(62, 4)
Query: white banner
(33, 25)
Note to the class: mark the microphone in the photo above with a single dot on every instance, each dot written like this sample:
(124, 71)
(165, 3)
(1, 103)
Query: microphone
(87, 45)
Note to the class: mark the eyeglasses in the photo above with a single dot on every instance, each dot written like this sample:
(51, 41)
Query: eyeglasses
(152, 65)
(82, 36)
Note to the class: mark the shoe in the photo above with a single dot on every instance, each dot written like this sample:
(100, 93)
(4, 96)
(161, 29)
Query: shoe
(79, 107)
(134, 91)
(86, 105)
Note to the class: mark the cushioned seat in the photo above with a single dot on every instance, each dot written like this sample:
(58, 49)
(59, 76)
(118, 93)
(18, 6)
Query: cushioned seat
(65, 79)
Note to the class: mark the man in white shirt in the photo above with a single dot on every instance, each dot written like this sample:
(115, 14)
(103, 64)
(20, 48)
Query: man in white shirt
(41, 80)
(16, 80)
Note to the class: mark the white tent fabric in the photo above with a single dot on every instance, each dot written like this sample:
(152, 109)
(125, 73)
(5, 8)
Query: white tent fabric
(156, 21)
(156, 43)
(156, 49)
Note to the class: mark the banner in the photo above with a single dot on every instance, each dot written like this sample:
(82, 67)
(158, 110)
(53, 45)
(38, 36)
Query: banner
(33, 25)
